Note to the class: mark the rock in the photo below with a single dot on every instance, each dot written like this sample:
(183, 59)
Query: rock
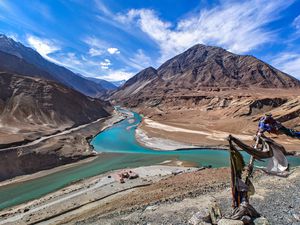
(200, 218)
(246, 219)
(296, 216)
(215, 213)
(26, 209)
(261, 221)
(230, 222)
(151, 207)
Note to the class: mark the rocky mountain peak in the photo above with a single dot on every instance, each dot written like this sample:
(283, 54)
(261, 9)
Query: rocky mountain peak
(205, 68)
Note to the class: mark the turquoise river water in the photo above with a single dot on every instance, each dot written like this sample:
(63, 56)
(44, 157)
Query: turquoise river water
(120, 150)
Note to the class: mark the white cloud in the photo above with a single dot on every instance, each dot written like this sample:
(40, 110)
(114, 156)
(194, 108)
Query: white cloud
(95, 52)
(105, 64)
(43, 46)
(116, 75)
(296, 23)
(288, 62)
(113, 51)
(238, 26)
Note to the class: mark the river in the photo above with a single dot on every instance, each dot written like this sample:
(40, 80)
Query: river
(119, 150)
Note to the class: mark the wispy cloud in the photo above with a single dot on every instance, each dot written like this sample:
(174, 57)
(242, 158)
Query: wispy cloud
(4, 4)
(42, 9)
(98, 47)
(16, 14)
(288, 62)
(43, 46)
(95, 51)
(296, 23)
(103, 8)
(238, 26)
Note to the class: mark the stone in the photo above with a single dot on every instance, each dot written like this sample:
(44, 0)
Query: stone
(151, 208)
(200, 218)
(261, 221)
(246, 219)
(230, 222)
(296, 216)
(215, 213)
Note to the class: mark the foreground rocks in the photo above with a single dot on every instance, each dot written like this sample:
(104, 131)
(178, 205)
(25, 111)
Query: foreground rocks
(176, 199)
(276, 199)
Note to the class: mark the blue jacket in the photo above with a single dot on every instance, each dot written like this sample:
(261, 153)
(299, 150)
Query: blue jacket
(264, 126)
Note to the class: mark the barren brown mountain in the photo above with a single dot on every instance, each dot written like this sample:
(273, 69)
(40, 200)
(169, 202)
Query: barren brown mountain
(211, 90)
(32, 108)
(29, 105)
(202, 67)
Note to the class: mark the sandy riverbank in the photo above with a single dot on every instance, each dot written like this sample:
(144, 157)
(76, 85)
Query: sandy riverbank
(157, 143)
(152, 134)
(171, 135)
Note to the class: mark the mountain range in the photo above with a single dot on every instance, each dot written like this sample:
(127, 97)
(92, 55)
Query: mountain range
(203, 68)
(105, 84)
(50, 70)
(38, 97)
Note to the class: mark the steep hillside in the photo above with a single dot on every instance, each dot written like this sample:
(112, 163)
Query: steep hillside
(13, 64)
(136, 84)
(34, 105)
(58, 73)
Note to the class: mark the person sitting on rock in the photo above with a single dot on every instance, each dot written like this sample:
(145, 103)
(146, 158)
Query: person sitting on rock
(269, 124)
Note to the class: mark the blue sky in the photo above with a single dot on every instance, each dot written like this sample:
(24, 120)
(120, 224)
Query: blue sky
(114, 40)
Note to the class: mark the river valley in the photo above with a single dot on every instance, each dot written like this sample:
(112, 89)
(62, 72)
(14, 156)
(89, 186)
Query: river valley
(119, 149)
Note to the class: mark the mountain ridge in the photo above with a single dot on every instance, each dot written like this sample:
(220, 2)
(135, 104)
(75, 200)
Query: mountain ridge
(31, 104)
(104, 83)
(203, 68)
(59, 73)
